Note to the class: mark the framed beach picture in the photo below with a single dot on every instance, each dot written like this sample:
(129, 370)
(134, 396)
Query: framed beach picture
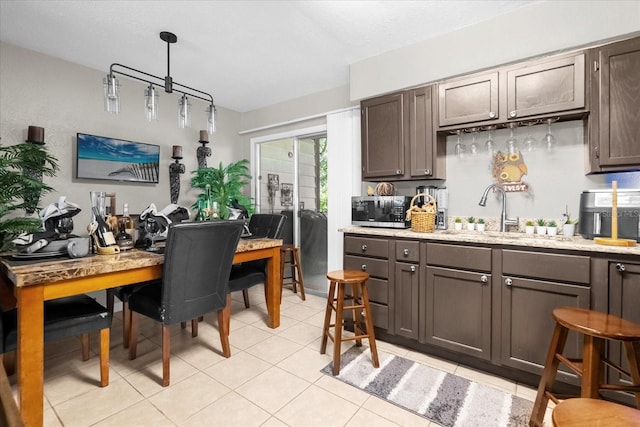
(100, 157)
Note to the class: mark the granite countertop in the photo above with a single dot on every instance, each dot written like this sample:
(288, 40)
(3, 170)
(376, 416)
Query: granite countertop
(574, 243)
(31, 272)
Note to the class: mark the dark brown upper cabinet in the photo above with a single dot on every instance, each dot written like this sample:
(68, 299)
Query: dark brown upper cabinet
(533, 89)
(398, 137)
(614, 123)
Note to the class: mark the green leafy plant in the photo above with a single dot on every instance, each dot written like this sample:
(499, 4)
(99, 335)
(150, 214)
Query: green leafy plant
(552, 223)
(541, 222)
(568, 219)
(480, 220)
(471, 220)
(226, 184)
(20, 167)
(458, 220)
(529, 223)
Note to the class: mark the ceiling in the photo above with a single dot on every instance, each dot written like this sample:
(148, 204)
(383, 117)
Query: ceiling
(247, 54)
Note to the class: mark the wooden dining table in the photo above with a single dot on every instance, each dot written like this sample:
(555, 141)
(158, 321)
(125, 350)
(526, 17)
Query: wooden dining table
(35, 282)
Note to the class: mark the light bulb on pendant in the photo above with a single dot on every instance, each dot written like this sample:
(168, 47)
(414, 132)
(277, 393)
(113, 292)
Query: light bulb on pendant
(212, 118)
(151, 104)
(184, 112)
(111, 94)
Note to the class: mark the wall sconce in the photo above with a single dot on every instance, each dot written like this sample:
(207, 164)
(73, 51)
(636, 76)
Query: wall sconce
(175, 169)
(203, 151)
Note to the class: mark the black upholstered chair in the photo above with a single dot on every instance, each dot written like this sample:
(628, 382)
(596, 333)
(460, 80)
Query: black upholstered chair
(64, 318)
(195, 278)
(251, 273)
(123, 293)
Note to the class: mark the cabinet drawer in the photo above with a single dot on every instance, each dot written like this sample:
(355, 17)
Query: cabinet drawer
(366, 246)
(464, 257)
(378, 290)
(375, 267)
(407, 251)
(380, 314)
(561, 268)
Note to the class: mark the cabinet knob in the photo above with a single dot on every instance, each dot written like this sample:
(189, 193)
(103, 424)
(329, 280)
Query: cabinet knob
(413, 268)
(620, 267)
(363, 267)
(405, 252)
(513, 114)
(364, 248)
(427, 171)
(492, 114)
(508, 281)
(484, 278)
(398, 172)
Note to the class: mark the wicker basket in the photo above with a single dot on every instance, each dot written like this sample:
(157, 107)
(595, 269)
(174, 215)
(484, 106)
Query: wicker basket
(423, 221)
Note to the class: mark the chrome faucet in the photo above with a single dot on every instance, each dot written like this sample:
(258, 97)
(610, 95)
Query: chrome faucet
(504, 221)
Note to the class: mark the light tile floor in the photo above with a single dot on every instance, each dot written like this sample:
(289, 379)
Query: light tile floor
(272, 378)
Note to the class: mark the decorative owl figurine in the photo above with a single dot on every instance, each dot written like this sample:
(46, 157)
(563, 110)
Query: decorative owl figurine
(509, 167)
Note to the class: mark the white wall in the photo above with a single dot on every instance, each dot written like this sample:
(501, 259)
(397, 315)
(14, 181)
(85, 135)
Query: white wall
(65, 98)
(526, 32)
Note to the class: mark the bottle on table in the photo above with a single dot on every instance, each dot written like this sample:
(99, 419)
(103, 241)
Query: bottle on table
(124, 239)
(103, 233)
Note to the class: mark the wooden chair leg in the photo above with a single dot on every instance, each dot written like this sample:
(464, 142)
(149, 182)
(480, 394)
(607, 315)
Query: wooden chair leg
(166, 355)
(632, 349)
(369, 324)
(356, 312)
(245, 296)
(556, 346)
(133, 336)
(84, 342)
(300, 280)
(9, 361)
(194, 328)
(104, 357)
(183, 325)
(110, 301)
(327, 317)
(337, 334)
(224, 320)
(126, 324)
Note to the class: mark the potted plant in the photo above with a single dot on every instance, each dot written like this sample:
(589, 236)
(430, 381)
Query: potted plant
(541, 226)
(480, 225)
(21, 166)
(569, 226)
(457, 224)
(529, 227)
(225, 185)
(552, 228)
(471, 223)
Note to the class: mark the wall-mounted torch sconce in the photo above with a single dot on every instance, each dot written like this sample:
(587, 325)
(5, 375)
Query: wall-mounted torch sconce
(175, 169)
(203, 151)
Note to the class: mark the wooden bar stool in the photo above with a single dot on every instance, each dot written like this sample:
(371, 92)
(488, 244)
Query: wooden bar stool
(360, 308)
(583, 412)
(597, 328)
(290, 256)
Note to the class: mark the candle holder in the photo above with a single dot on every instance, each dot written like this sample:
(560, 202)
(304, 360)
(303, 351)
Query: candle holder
(203, 151)
(35, 135)
(175, 169)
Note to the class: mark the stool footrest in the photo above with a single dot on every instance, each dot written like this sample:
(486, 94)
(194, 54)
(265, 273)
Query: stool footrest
(574, 364)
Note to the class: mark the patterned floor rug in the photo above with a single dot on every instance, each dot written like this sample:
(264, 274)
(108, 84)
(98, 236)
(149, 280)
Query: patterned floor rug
(440, 397)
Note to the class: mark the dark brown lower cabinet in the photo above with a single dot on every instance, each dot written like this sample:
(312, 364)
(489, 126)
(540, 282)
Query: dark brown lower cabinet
(406, 303)
(457, 311)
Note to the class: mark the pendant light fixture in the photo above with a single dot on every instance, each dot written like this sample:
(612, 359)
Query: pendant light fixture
(112, 91)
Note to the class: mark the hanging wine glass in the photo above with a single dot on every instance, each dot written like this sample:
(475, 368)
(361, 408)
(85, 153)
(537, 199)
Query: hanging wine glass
(460, 147)
(530, 142)
(512, 142)
(490, 145)
(549, 141)
(473, 148)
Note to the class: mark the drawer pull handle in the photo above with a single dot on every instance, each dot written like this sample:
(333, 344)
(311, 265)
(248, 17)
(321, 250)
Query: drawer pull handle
(513, 114)
(484, 278)
(620, 267)
(508, 281)
(413, 268)
(492, 115)
(405, 252)
(364, 248)
(427, 171)
(363, 267)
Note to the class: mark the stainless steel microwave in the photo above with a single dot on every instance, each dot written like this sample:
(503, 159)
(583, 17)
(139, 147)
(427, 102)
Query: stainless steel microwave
(380, 211)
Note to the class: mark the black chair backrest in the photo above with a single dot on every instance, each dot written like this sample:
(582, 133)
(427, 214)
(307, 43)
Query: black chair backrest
(198, 259)
(267, 225)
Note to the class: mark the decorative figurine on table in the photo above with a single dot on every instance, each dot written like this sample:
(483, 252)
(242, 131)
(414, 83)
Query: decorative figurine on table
(203, 152)
(58, 217)
(175, 169)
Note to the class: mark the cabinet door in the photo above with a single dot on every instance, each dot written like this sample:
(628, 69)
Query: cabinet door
(624, 300)
(406, 300)
(548, 87)
(472, 99)
(421, 135)
(616, 133)
(527, 322)
(383, 137)
(457, 311)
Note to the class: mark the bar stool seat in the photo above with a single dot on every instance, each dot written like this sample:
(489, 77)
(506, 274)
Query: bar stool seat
(593, 412)
(290, 257)
(597, 328)
(359, 308)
